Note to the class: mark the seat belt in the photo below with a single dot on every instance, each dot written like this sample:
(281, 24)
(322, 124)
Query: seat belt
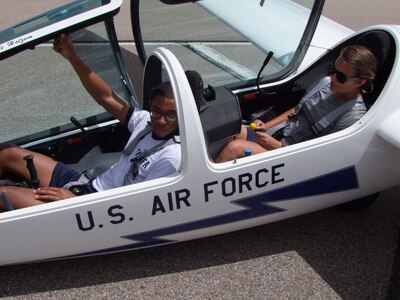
(317, 127)
(329, 118)
(132, 144)
(135, 162)
(319, 85)
(90, 174)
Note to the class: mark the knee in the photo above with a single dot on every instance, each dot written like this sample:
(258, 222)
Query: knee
(4, 190)
(236, 148)
(8, 155)
(232, 150)
(9, 151)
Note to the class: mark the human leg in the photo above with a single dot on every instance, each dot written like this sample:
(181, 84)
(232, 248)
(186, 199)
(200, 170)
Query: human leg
(12, 161)
(235, 149)
(243, 134)
(18, 196)
(23, 197)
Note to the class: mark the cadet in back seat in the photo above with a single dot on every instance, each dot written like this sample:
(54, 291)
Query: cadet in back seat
(333, 104)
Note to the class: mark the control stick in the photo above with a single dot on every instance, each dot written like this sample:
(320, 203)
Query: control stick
(32, 171)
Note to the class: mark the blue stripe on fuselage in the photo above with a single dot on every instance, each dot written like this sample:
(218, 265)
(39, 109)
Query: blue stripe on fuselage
(340, 180)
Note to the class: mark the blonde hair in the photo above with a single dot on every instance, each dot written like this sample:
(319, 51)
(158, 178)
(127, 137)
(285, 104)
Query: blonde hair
(362, 61)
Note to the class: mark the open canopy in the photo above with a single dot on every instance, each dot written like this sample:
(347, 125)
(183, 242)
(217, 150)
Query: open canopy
(48, 91)
(232, 37)
(72, 16)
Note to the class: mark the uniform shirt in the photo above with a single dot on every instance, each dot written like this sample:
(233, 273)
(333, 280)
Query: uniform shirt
(313, 109)
(161, 163)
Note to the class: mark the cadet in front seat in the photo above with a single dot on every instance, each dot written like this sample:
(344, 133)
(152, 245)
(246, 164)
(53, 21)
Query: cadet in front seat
(160, 141)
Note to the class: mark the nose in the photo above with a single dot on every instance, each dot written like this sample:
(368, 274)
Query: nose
(161, 120)
(334, 77)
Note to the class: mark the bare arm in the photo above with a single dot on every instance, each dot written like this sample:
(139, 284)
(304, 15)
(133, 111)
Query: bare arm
(49, 194)
(96, 87)
(267, 141)
(278, 120)
(23, 197)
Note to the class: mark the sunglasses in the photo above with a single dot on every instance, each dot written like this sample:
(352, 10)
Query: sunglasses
(169, 117)
(340, 76)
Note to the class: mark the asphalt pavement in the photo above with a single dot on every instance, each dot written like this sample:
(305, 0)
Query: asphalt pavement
(330, 254)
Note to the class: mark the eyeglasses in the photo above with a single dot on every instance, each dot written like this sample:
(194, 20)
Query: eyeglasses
(170, 117)
(340, 76)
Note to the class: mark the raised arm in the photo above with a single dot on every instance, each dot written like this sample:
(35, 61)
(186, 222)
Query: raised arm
(96, 87)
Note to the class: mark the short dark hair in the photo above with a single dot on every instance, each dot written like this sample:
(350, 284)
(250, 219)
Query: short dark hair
(164, 90)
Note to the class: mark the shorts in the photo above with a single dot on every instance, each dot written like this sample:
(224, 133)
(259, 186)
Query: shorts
(63, 174)
(251, 136)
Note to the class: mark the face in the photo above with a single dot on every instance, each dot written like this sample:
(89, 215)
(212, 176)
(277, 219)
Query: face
(162, 109)
(344, 83)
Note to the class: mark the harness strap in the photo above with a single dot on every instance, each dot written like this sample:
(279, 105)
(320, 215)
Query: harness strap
(319, 85)
(92, 173)
(271, 131)
(329, 118)
(135, 162)
(77, 187)
(131, 146)
(316, 128)
(155, 148)
(7, 201)
(86, 176)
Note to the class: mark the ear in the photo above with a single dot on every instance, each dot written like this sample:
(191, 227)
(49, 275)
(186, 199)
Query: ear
(361, 82)
(368, 87)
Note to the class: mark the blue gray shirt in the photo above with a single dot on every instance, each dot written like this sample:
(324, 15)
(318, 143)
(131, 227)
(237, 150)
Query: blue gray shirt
(315, 107)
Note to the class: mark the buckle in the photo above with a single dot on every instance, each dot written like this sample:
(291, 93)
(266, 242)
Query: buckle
(78, 190)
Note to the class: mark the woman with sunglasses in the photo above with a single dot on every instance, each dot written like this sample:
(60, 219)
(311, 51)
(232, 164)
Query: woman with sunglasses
(336, 98)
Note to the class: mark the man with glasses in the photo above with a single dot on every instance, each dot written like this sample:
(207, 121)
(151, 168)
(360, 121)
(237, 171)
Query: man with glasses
(151, 152)
(331, 105)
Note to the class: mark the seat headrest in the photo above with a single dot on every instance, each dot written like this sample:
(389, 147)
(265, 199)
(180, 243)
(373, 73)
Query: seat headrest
(378, 42)
(197, 86)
